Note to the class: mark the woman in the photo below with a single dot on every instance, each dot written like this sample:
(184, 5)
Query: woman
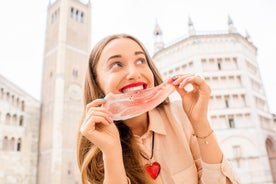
(173, 143)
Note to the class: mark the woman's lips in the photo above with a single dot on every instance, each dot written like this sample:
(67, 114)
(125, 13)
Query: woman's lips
(134, 87)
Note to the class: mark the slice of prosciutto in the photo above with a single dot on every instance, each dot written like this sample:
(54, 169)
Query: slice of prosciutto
(127, 105)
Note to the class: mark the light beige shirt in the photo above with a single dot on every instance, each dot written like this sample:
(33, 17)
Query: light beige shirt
(173, 137)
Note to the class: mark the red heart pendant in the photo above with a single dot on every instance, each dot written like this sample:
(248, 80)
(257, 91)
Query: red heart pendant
(153, 169)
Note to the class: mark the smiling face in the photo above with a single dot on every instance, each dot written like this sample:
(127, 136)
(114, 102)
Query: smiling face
(123, 67)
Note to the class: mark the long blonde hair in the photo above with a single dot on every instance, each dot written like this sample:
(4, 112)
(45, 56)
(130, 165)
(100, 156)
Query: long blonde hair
(89, 156)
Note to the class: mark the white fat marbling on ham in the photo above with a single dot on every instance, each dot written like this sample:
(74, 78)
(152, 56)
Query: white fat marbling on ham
(135, 102)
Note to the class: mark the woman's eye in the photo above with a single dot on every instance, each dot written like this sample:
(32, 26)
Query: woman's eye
(115, 65)
(140, 61)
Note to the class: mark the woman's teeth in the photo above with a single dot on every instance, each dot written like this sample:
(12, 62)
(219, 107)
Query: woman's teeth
(136, 88)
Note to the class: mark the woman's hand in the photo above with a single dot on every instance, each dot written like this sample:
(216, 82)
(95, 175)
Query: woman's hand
(195, 102)
(98, 127)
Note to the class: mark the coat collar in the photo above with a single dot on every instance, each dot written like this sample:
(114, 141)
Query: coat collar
(156, 122)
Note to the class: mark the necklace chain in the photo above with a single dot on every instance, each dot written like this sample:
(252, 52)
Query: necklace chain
(152, 148)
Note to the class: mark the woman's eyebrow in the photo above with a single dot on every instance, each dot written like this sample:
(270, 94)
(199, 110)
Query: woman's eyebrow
(139, 52)
(114, 56)
(119, 56)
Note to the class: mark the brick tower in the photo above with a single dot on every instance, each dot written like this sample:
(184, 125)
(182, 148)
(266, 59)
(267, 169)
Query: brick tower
(67, 46)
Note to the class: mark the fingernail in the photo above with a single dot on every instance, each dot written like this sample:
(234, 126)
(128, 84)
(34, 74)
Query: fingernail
(181, 85)
(110, 120)
(102, 98)
(174, 77)
(188, 78)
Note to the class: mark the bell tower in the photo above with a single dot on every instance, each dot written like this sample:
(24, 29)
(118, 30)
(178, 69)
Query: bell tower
(66, 52)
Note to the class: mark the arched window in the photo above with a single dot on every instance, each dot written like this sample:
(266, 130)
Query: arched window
(14, 119)
(21, 121)
(12, 99)
(81, 17)
(231, 122)
(8, 118)
(12, 144)
(2, 93)
(52, 18)
(8, 96)
(17, 102)
(72, 12)
(5, 143)
(22, 105)
(77, 15)
(19, 144)
(219, 66)
(75, 73)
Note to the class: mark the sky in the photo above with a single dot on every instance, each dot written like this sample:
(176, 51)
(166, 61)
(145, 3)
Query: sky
(23, 25)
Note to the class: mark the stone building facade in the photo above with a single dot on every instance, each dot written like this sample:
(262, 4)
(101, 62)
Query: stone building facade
(238, 110)
(19, 134)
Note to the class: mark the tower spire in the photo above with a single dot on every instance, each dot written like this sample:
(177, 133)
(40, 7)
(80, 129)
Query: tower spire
(230, 22)
(231, 27)
(158, 40)
(191, 28)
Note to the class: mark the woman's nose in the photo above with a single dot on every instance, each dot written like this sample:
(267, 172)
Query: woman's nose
(133, 72)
